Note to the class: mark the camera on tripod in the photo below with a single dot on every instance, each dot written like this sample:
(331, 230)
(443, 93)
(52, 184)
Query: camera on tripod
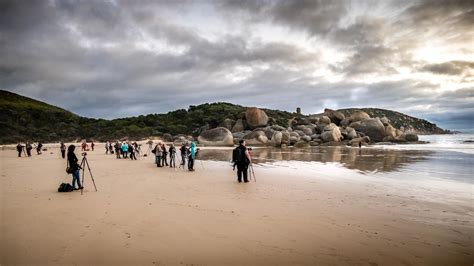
(84, 154)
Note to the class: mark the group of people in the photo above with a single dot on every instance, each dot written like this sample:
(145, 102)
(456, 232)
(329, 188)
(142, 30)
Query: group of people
(85, 146)
(241, 156)
(162, 152)
(27, 149)
(123, 150)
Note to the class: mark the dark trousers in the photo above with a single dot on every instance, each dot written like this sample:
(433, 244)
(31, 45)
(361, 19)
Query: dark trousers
(117, 152)
(190, 163)
(183, 159)
(172, 160)
(164, 160)
(19, 153)
(132, 156)
(63, 154)
(158, 161)
(242, 170)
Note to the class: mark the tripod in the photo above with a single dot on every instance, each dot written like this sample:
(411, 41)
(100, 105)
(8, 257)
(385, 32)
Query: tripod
(84, 162)
(252, 173)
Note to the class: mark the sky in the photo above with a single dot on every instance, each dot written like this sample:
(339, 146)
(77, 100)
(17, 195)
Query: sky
(110, 59)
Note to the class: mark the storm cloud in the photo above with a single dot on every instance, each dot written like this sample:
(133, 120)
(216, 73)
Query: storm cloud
(117, 58)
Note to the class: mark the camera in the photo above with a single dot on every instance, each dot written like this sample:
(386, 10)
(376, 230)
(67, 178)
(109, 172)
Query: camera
(84, 153)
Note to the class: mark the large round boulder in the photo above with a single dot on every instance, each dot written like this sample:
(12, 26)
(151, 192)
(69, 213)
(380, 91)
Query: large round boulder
(256, 138)
(359, 116)
(348, 133)
(239, 126)
(331, 133)
(219, 136)
(228, 123)
(390, 131)
(324, 120)
(335, 116)
(285, 137)
(276, 139)
(256, 117)
(371, 127)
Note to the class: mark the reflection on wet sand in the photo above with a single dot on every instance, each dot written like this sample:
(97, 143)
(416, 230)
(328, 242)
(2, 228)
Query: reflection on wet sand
(365, 160)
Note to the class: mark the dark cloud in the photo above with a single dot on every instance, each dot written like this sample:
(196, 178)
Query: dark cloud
(120, 58)
(449, 68)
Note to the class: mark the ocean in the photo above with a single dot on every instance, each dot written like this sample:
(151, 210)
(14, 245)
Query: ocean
(445, 158)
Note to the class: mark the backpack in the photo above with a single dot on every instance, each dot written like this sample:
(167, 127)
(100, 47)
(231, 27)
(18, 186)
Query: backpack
(238, 156)
(65, 187)
(154, 150)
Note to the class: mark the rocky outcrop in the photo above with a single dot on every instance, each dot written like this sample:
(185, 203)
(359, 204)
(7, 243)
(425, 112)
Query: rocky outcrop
(390, 132)
(331, 133)
(239, 126)
(276, 139)
(257, 137)
(256, 117)
(411, 137)
(324, 120)
(228, 123)
(335, 116)
(219, 136)
(371, 127)
(359, 116)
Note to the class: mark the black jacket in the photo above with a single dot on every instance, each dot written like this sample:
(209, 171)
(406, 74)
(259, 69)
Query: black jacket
(72, 160)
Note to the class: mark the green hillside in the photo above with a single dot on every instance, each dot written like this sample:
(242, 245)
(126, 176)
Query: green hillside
(399, 120)
(24, 119)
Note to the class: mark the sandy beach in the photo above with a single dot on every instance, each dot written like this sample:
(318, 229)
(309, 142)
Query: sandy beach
(144, 215)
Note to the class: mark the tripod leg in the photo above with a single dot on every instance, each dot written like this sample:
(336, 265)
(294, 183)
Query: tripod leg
(83, 164)
(90, 172)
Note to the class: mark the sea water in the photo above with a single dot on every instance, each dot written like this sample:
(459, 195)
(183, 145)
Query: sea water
(444, 157)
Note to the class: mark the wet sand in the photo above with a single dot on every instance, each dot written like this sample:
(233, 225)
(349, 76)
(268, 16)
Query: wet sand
(141, 214)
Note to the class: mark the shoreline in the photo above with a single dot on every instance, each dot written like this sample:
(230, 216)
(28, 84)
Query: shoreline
(142, 214)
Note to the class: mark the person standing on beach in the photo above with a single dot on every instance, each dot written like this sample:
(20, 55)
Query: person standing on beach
(92, 145)
(38, 148)
(131, 150)
(111, 149)
(125, 150)
(72, 161)
(172, 152)
(242, 161)
(29, 148)
(158, 153)
(118, 149)
(183, 150)
(19, 149)
(63, 150)
(164, 156)
(107, 147)
(192, 153)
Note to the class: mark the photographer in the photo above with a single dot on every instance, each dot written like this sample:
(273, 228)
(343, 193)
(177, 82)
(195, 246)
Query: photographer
(183, 150)
(242, 161)
(172, 152)
(19, 149)
(63, 150)
(72, 161)
(191, 155)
